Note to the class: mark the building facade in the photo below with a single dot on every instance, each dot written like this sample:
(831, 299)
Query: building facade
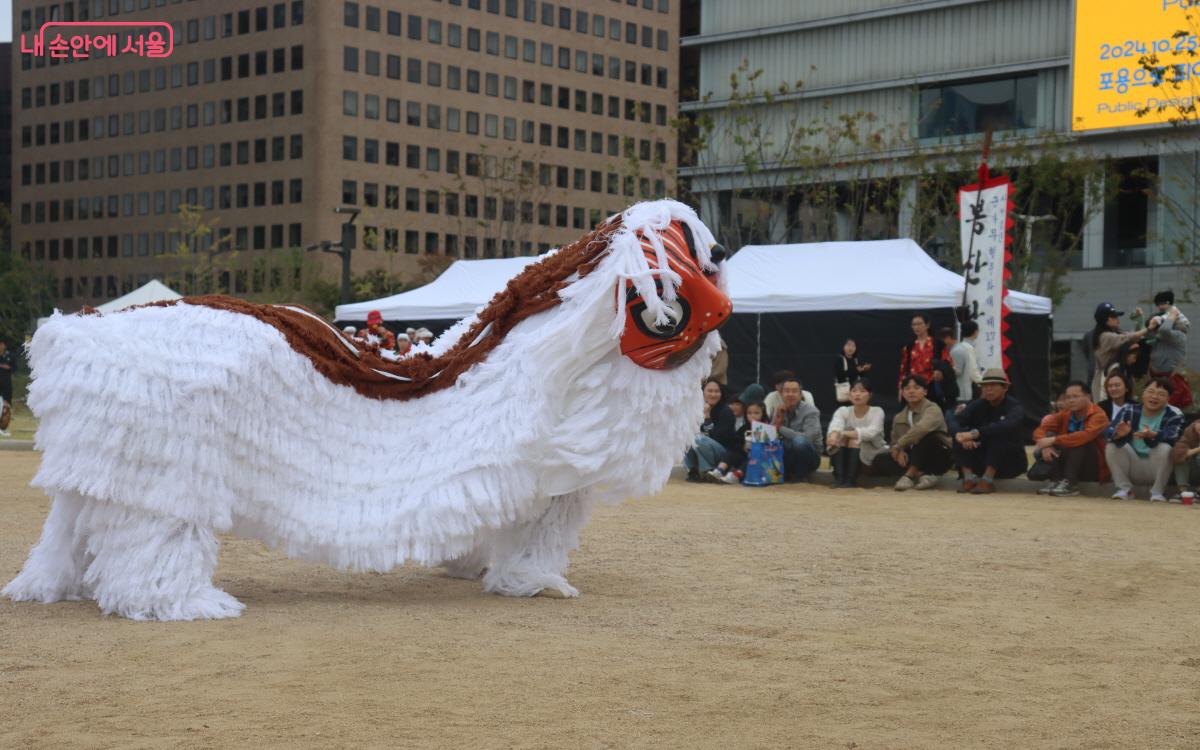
(936, 70)
(456, 129)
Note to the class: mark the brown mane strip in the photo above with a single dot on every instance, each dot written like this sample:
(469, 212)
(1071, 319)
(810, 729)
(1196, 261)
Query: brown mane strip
(532, 291)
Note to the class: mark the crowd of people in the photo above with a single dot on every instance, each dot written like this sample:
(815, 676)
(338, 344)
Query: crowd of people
(955, 416)
(375, 336)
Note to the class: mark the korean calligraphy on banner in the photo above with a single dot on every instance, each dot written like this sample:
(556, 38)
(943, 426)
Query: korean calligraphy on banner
(984, 212)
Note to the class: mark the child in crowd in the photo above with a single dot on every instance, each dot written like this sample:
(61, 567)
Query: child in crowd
(733, 464)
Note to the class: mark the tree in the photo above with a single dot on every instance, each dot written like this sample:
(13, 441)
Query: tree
(27, 290)
(510, 187)
(1177, 193)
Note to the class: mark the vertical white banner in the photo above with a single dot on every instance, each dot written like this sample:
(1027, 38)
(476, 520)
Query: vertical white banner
(984, 224)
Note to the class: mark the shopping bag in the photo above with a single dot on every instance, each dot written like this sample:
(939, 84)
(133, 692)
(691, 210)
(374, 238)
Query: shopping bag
(765, 464)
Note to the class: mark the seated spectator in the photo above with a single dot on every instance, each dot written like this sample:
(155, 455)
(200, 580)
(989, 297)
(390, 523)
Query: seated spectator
(411, 333)
(920, 451)
(403, 344)
(1185, 457)
(716, 434)
(1120, 394)
(1071, 442)
(350, 331)
(752, 394)
(424, 336)
(732, 466)
(775, 397)
(376, 334)
(1040, 470)
(988, 445)
(799, 425)
(739, 414)
(1140, 440)
(855, 435)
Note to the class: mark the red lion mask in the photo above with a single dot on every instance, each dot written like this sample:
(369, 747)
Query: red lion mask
(699, 306)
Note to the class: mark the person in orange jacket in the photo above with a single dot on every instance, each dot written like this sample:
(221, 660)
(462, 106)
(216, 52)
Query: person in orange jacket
(1072, 441)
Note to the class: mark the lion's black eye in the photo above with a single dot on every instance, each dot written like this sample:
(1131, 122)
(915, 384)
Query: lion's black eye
(644, 319)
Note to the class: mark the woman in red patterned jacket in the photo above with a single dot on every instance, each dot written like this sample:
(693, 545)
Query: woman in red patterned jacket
(919, 356)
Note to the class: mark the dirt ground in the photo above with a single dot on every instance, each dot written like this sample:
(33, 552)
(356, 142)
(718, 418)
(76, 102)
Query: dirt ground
(711, 617)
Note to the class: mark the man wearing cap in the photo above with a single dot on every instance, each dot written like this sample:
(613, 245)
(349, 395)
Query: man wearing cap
(988, 445)
(403, 344)
(377, 334)
(1107, 338)
(1169, 347)
(424, 336)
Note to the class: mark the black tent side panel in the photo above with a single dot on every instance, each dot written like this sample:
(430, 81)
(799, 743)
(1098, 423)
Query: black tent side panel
(809, 343)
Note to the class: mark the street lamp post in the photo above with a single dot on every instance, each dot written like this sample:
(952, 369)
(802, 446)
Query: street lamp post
(342, 248)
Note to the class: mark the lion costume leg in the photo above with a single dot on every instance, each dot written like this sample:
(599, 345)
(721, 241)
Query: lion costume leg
(532, 558)
(150, 567)
(471, 565)
(54, 569)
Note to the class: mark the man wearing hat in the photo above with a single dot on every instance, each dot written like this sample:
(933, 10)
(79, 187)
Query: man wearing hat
(1107, 338)
(377, 334)
(988, 446)
(1169, 349)
(403, 344)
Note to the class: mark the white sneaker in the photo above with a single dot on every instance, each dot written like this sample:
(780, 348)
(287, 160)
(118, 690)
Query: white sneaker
(5, 433)
(926, 482)
(1048, 488)
(1157, 497)
(903, 483)
(714, 475)
(731, 478)
(1122, 495)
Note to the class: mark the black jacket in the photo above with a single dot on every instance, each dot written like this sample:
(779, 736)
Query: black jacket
(720, 427)
(995, 423)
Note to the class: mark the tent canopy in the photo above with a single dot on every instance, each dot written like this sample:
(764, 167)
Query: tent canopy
(826, 276)
(152, 291)
(456, 293)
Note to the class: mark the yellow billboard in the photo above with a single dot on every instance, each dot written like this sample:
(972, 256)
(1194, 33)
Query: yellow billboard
(1115, 41)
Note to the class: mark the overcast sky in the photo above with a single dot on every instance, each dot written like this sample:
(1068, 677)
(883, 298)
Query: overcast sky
(6, 11)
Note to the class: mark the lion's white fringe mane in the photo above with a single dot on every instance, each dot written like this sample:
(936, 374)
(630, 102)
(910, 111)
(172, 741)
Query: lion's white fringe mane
(209, 417)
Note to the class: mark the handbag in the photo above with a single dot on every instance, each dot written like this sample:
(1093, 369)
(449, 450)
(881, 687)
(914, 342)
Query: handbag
(841, 392)
(764, 466)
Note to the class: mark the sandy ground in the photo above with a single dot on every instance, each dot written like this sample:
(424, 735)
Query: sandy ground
(711, 617)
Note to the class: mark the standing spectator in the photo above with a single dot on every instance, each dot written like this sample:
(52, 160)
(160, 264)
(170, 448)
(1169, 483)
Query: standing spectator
(1132, 360)
(716, 434)
(846, 370)
(919, 355)
(855, 435)
(1140, 440)
(720, 365)
(1107, 337)
(920, 451)
(1120, 394)
(7, 365)
(988, 445)
(775, 397)
(1170, 348)
(799, 425)
(966, 362)
(944, 387)
(1071, 442)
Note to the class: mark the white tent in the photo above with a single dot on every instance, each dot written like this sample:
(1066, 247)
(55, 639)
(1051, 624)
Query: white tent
(878, 275)
(152, 291)
(461, 289)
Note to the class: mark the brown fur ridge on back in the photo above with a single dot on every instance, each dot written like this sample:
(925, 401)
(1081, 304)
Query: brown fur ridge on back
(534, 290)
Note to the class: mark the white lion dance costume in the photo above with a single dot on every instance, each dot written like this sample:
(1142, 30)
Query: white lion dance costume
(162, 426)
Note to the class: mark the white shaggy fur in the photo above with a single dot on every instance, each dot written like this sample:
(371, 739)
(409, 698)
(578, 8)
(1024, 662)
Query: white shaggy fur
(162, 427)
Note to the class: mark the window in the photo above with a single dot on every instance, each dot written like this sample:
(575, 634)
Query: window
(977, 106)
(414, 27)
(394, 26)
(349, 148)
(350, 103)
(350, 59)
(350, 14)
(1133, 210)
